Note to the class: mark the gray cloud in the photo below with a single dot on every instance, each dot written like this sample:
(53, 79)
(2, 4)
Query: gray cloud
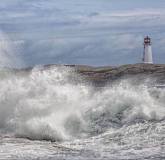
(82, 32)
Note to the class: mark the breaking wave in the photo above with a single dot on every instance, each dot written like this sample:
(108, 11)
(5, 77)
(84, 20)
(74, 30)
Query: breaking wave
(48, 104)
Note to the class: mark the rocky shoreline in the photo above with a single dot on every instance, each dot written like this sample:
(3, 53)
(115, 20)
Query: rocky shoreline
(139, 72)
(101, 76)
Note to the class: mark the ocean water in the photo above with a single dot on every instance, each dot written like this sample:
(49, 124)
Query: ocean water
(50, 113)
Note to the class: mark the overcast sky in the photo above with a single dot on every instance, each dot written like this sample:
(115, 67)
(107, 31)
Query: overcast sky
(92, 32)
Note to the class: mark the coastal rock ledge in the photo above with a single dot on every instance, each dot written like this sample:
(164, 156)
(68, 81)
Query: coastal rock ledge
(139, 72)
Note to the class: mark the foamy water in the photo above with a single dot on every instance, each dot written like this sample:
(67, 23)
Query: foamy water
(46, 114)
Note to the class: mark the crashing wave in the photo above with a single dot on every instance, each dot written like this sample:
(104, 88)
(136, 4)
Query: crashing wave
(46, 104)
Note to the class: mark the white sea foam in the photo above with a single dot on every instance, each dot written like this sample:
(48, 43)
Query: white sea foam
(48, 104)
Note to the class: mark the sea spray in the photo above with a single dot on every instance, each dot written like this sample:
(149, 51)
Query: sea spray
(37, 104)
(10, 52)
(46, 104)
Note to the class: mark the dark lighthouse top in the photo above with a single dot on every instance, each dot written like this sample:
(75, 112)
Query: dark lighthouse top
(147, 41)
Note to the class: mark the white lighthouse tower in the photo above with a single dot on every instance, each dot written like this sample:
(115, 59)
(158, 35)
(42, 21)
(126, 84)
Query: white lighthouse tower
(147, 55)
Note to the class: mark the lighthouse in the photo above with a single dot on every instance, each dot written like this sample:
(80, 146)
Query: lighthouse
(147, 55)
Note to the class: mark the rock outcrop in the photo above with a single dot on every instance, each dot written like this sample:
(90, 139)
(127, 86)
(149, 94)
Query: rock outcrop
(103, 75)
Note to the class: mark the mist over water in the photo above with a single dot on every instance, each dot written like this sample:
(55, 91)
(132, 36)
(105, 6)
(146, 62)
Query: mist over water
(9, 52)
